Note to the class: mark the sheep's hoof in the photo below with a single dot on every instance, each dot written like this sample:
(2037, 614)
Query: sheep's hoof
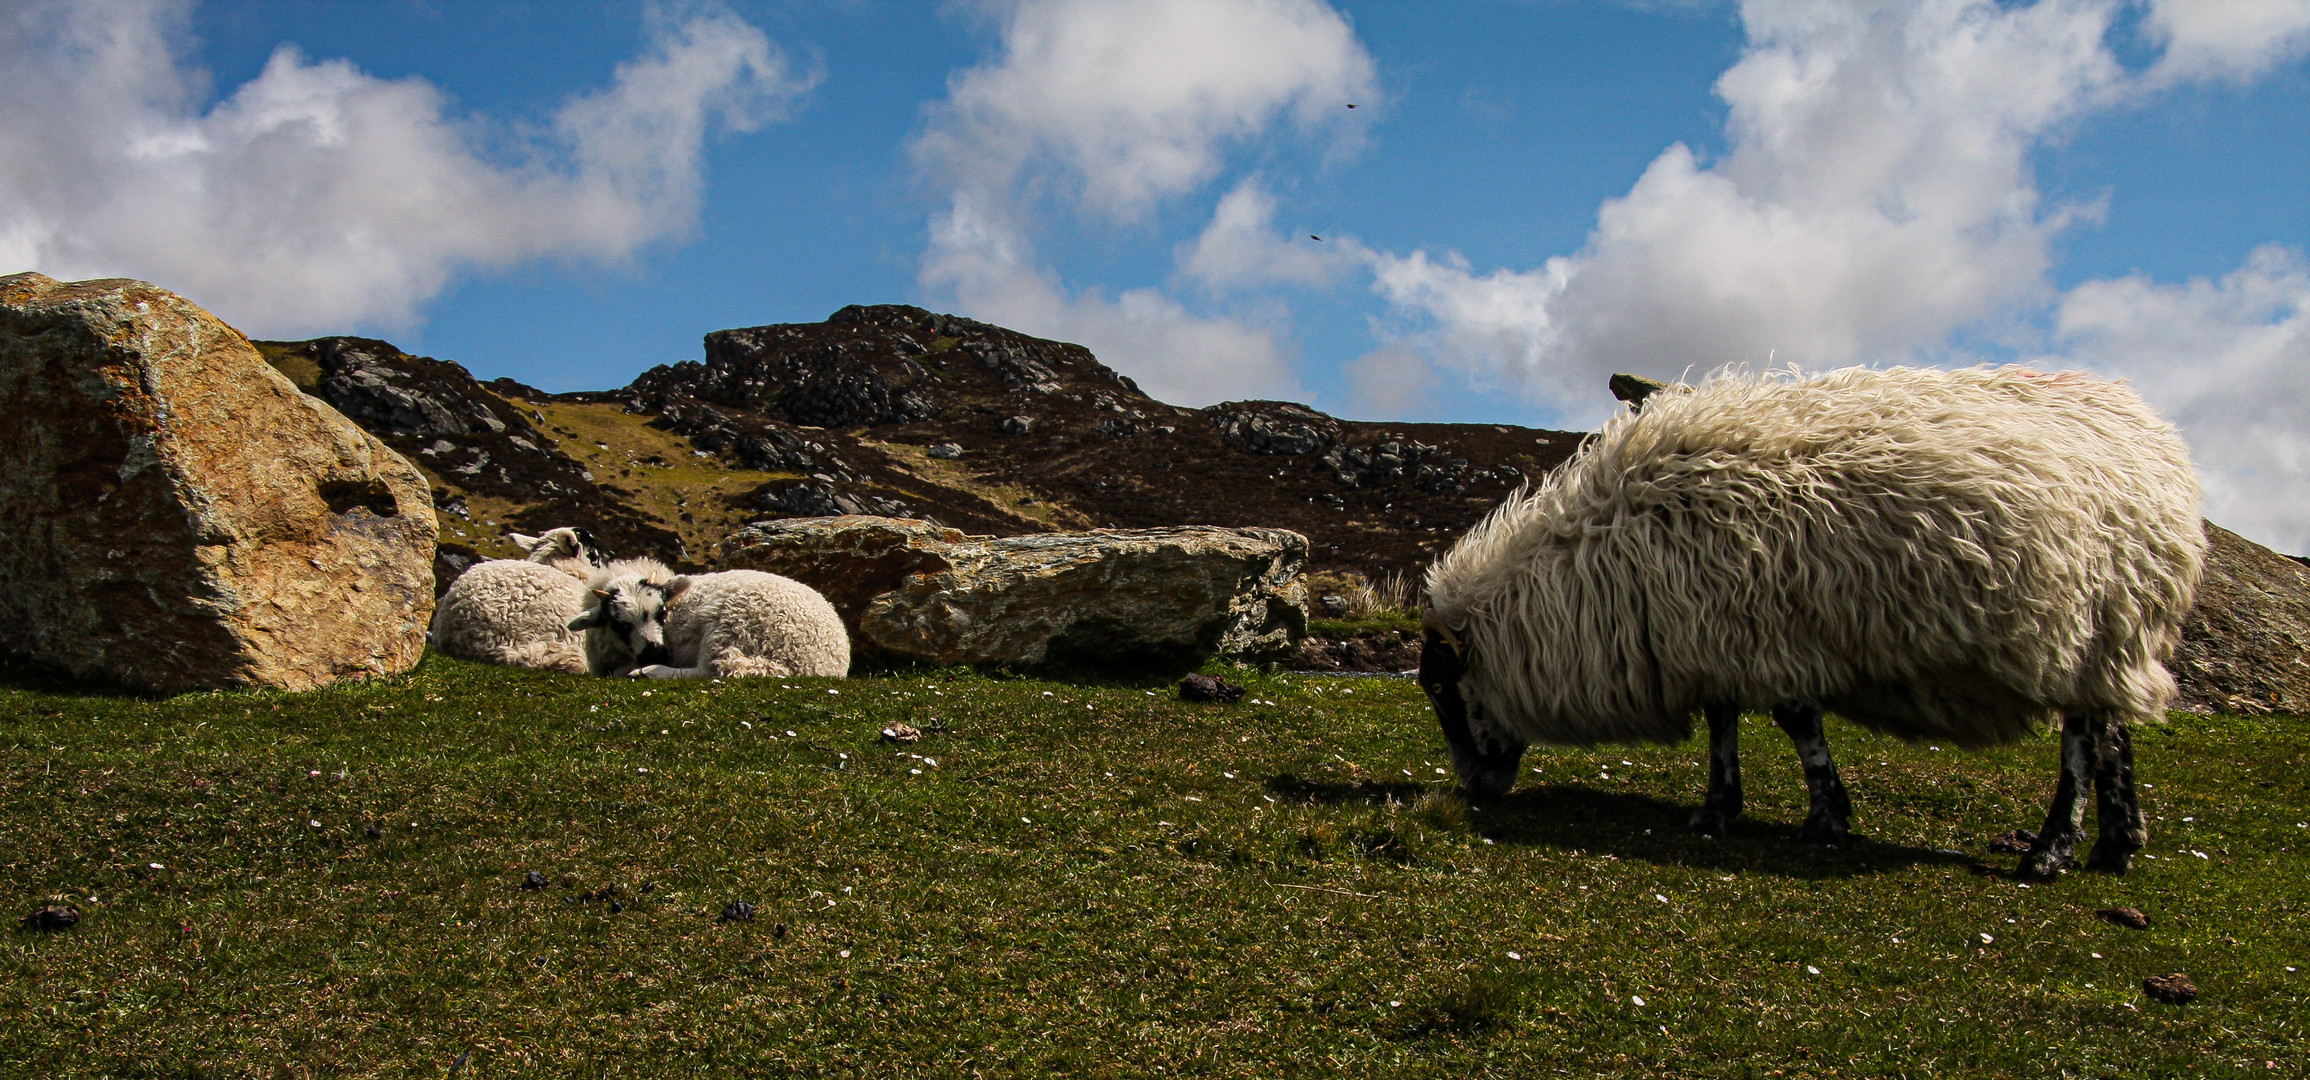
(2045, 864)
(1711, 820)
(2110, 859)
(1826, 829)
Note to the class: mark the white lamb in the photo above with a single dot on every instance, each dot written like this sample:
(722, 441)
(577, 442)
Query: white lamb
(645, 620)
(1960, 556)
(517, 611)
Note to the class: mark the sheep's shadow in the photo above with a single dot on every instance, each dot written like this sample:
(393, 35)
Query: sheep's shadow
(1634, 826)
(1626, 825)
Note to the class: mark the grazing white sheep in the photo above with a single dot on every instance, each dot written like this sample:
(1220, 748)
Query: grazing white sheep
(517, 611)
(646, 620)
(1958, 556)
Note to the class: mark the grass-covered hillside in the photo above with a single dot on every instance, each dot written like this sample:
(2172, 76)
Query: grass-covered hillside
(1096, 880)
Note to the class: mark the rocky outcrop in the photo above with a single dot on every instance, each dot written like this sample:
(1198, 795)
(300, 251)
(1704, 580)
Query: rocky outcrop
(2246, 645)
(910, 590)
(469, 434)
(176, 515)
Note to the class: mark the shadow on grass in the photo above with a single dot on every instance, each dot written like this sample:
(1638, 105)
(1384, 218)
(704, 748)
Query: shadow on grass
(1634, 826)
(16, 674)
(1335, 793)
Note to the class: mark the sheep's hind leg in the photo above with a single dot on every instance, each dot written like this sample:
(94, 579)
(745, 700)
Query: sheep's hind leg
(2056, 847)
(1826, 822)
(1723, 802)
(2118, 807)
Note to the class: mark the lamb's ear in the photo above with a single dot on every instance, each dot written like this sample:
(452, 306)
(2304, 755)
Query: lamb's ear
(525, 543)
(675, 585)
(1443, 633)
(589, 618)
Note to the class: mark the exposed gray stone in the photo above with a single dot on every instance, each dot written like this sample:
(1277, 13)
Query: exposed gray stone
(913, 591)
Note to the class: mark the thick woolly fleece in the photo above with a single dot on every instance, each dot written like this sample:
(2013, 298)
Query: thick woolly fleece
(1954, 555)
(730, 624)
(516, 612)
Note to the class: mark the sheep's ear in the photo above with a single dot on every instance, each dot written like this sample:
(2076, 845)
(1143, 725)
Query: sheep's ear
(587, 619)
(676, 584)
(523, 542)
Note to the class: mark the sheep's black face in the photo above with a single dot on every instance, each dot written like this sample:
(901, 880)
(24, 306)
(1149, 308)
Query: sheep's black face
(587, 548)
(630, 613)
(1484, 757)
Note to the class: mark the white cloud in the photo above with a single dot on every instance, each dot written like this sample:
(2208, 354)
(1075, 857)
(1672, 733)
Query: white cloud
(1104, 110)
(1876, 197)
(1391, 381)
(1173, 354)
(1129, 102)
(1240, 247)
(2229, 361)
(315, 195)
(2230, 39)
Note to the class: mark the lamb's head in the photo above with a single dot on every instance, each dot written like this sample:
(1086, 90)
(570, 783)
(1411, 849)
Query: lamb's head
(564, 545)
(625, 622)
(1484, 753)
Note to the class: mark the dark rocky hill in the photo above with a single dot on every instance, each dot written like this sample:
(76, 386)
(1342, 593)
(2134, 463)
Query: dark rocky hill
(896, 410)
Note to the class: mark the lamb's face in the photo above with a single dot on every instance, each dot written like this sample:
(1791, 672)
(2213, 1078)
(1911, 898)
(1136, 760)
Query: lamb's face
(631, 612)
(1483, 754)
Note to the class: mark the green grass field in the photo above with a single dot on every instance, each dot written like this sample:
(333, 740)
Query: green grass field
(1096, 880)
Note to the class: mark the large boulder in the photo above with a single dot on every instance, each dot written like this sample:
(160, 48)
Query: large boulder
(2246, 645)
(917, 591)
(176, 515)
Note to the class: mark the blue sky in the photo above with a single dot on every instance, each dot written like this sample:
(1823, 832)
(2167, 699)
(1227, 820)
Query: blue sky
(1528, 195)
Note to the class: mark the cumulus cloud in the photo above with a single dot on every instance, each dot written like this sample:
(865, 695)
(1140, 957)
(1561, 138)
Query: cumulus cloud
(1128, 102)
(991, 273)
(1876, 196)
(2226, 359)
(2228, 39)
(317, 196)
(1101, 111)
(1241, 248)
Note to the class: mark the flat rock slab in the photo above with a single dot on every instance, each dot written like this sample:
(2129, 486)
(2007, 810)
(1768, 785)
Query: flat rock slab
(2246, 645)
(176, 515)
(913, 590)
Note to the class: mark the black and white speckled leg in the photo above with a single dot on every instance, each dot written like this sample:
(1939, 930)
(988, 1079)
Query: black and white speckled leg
(2118, 807)
(1826, 822)
(1723, 802)
(2056, 849)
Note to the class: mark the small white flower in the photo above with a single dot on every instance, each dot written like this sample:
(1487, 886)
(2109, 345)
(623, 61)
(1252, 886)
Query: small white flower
(2097, 956)
(641, 770)
(1028, 820)
(1811, 970)
(156, 866)
(1986, 939)
(747, 724)
(1192, 798)
(914, 772)
(1228, 775)
(845, 954)
(313, 823)
(1639, 1001)
(836, 693)
(1660, 898)
(1515, 956)
(792, 735)
(930, 761)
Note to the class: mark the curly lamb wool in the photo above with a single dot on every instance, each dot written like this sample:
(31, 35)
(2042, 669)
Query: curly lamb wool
(517, 611)
(1959, 556)
(646, 620)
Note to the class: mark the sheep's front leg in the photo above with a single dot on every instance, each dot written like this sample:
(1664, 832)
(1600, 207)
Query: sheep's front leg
(666, 671)
(1723, 802)
(1832, 809)
(2056, 847)
(2118, 807)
